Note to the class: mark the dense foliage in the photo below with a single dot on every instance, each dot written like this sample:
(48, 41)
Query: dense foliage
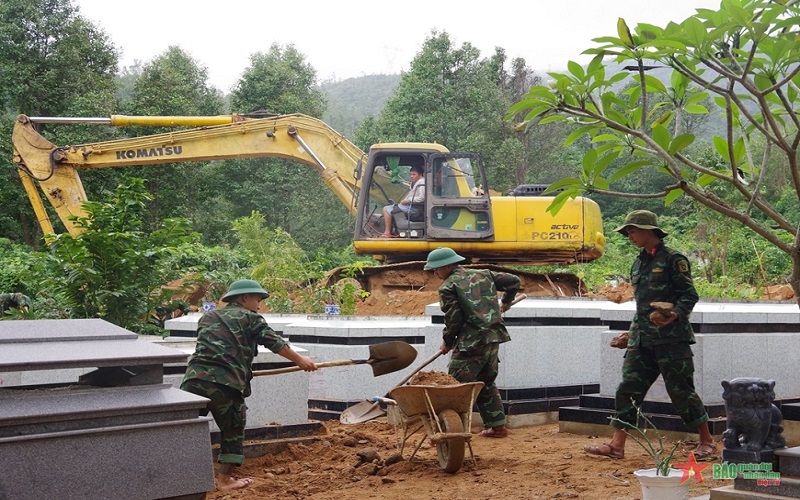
(209, 223)
(743, 57)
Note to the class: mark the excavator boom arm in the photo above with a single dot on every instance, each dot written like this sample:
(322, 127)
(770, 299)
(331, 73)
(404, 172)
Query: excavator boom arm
(295, 137)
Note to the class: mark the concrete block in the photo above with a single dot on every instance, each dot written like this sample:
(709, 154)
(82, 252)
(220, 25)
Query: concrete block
(550, 356)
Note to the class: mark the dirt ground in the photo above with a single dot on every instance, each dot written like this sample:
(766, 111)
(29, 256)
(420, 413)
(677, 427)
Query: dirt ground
(535, 462)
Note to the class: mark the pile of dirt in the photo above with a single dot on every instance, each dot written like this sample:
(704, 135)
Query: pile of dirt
(397, 303)
(619, 293)
(433, 378)
(361, 461)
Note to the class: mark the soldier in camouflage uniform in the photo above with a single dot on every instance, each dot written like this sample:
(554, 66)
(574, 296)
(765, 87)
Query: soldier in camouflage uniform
(474, 328)
(221, 368)
(659, 342)
(13, 301)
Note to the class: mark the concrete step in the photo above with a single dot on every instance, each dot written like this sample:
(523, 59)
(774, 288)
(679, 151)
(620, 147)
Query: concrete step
(662, 422)
(789, 487)
(597, 409)
(257, 448)
(525, 406)
(323, 415)
(283, 431)
(730, 493)
(789, 461)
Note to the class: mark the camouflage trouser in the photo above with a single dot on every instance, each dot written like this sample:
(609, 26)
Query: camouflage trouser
(229, 412)
(481, 366)
(641, 368)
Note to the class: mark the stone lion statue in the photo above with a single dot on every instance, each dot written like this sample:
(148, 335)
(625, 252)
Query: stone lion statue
(754, 423)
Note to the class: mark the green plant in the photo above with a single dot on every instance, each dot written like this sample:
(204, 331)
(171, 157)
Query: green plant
(112, 268)
(654, 447)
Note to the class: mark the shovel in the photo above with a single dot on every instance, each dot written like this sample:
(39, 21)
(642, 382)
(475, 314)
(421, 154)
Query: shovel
(384, 358)
(367, 410)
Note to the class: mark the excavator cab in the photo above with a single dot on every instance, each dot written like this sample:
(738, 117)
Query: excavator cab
(455, 206)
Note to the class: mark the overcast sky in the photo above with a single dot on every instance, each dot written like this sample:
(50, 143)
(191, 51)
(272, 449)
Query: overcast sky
(350, 38)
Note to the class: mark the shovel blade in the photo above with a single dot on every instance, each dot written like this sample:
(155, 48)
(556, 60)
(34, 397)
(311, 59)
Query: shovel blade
(361, 412)
(389, 357)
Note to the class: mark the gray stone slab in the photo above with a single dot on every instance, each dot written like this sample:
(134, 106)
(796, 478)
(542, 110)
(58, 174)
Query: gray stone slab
(146, 461)
(187, 325)
(789, 461)
(60, 330)
(556, 307)
(82, 353)
(48, 408)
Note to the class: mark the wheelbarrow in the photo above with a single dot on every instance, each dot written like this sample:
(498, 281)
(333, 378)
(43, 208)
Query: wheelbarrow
(443, 412)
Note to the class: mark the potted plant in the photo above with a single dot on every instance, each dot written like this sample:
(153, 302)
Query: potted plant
(662, 482)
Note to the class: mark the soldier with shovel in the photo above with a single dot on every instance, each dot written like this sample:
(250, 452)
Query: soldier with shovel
(221, 368)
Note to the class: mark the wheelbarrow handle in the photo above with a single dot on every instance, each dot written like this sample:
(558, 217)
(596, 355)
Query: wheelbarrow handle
(378, 399)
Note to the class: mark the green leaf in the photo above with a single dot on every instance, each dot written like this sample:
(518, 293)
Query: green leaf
(680, 142)
(536, 111)
(673, 195)
(721, 145)
(661, 136)
(663, 120)
(695, 30)
(589, 160)
(625, 34)
(601, 183)
(654, 84)
(551, 119)
(695, 109)
(705, 180)
(739, 150)
(602, 163)
(576, 69)
(560, 199)
(628, 169)
(567, 182)
(696, 97)
(540, 92)
(606, 138)
(577, 133)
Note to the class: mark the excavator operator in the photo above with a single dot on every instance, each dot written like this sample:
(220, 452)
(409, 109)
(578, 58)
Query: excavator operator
(413, 204)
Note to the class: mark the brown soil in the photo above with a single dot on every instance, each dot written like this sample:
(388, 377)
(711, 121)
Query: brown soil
(433, 378)
(412, 303)
(534, 462)
(397, 303)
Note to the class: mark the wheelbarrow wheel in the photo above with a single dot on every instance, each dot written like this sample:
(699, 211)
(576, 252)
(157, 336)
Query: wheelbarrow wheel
(451, 450)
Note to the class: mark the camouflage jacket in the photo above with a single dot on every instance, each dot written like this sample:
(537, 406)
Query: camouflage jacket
(663, 277)
(13, 301)
(227, 341)
(472, 315)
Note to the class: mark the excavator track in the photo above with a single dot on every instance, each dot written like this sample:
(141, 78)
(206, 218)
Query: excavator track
(410, 276)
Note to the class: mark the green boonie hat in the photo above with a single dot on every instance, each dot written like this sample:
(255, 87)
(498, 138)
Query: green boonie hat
(442, 257)
(242, 287)
(643, 219)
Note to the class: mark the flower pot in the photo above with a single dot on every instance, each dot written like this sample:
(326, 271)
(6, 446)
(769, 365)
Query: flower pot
(662, 487)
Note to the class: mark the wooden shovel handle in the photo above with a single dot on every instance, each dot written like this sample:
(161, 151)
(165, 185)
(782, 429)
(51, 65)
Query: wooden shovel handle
(417, 369)
(324, 364)
(345, 362)
(439, 353)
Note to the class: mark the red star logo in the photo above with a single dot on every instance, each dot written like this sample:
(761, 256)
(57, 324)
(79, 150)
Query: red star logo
(692, 468)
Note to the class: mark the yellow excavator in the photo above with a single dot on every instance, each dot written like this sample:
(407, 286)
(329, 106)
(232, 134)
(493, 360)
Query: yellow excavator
(457, 209)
